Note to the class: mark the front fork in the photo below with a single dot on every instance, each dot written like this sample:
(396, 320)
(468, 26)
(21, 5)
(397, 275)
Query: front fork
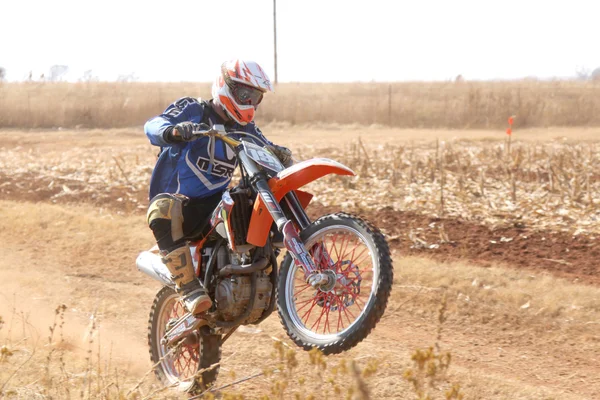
(291, 239)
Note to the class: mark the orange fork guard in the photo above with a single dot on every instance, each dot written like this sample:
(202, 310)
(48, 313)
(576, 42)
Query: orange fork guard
(287, 180)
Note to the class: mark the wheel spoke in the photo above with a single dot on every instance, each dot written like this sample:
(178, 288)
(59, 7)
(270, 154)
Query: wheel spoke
(339, 307)
(333, 241)
(332, 248)
(338, 252)
(302, 290)
(345, 249)
(327, 321)
(307, 314)
(186, 360)
(346, 314)
(318, 321)
(347, 310)
(356, 300)
(352, 260)
(305, 302)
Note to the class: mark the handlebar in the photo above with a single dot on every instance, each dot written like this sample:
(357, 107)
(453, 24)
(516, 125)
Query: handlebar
(219, 132)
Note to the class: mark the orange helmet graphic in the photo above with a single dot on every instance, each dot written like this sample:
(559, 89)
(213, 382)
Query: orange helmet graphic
(239, 89)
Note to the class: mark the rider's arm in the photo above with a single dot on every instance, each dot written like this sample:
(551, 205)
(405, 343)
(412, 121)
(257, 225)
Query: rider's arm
(283, 153)
(159, 128)
(260, 140)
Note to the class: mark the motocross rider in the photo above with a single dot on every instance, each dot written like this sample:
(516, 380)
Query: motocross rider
(192, 173)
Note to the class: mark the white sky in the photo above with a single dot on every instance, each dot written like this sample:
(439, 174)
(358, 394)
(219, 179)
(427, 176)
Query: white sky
(318, 40)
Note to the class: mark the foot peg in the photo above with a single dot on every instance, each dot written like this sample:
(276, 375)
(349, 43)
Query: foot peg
(182, 328)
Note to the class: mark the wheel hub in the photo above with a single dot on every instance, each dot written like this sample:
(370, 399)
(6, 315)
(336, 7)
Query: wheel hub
(331, 281)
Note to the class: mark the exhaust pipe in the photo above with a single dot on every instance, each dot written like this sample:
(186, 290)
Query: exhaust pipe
(151, 264)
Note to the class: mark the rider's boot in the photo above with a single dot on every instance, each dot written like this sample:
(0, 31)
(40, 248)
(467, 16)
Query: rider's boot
(179, 263)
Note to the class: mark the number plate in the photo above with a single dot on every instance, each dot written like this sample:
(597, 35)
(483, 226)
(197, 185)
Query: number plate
(263, 157)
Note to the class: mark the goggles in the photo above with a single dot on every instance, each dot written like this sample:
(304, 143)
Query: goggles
(243, 94)
(246, 95)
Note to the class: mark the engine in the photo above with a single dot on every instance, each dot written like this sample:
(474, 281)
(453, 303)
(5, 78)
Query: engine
(233, 295)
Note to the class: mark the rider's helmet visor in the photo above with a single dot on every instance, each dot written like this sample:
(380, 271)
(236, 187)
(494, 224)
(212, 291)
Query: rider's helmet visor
(243, 94)
(247, 95)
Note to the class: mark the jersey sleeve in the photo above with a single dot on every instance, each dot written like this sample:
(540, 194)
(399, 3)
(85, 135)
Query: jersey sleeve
(184, 109)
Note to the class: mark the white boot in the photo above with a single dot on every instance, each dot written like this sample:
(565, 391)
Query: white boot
(179, 263)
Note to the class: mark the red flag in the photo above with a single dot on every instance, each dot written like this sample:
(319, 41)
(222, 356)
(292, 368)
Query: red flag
(510, 120)
(509, 131)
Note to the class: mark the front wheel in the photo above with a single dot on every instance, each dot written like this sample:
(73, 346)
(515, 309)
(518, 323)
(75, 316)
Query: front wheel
(338, 316)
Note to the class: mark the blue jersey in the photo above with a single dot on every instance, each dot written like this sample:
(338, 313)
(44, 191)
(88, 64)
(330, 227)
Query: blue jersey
(199, 168)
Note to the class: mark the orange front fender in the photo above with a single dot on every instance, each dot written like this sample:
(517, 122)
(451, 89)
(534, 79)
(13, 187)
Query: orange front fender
(289, 179)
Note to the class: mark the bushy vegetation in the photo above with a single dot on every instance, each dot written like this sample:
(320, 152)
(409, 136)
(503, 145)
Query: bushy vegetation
(460, 105)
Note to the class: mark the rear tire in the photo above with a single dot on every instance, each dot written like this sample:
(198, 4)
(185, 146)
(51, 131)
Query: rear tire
(180, 369)
(338, 301)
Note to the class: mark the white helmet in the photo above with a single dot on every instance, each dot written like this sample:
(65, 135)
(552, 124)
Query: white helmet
(239, 89)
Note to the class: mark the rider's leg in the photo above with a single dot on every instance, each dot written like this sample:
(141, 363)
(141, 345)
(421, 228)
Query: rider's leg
(165, 218)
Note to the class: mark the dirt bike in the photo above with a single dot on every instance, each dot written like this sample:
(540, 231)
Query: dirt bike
(331, 290)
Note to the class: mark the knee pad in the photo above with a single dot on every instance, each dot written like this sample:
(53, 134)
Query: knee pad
(165, 218)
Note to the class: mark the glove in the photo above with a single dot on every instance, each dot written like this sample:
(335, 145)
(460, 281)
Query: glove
(184, 131)
(283, 153)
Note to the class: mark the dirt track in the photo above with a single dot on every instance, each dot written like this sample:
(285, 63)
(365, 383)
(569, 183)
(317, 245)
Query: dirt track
(508, 336)
(78, 263)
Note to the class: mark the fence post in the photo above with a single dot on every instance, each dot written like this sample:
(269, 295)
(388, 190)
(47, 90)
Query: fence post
(390, 104)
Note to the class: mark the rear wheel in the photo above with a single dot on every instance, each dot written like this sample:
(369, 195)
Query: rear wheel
(179, 366)
(337, 317)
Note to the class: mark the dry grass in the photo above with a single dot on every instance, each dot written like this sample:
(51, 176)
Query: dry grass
(490, 295)
(552, 184)
(407, 105)
(545, 185)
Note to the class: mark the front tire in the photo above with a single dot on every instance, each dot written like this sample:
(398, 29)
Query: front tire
(337, 318)
(179, 368)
